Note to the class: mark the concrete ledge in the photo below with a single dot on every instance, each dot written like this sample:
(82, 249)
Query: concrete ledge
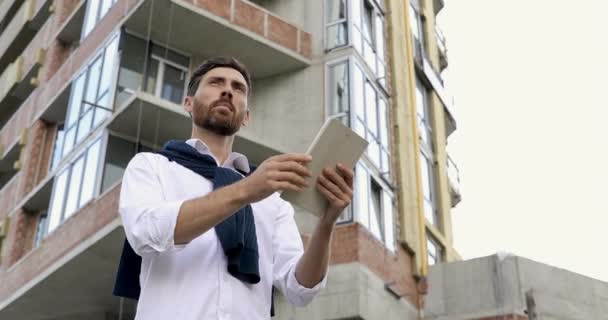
(352, 292)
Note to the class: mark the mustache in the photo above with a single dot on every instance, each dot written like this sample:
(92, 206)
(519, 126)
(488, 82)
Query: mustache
(224, 102)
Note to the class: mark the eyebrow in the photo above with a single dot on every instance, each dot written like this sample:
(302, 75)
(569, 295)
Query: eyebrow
(233, 82)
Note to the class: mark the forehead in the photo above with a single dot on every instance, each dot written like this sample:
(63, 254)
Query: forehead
(227, 73)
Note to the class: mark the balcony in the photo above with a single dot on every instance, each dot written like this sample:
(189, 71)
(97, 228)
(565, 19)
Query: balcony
(8, 8)
(264, 42)
(9, 156)
(454, 181)
(442, 48)
(18, 81)
(87, 244)
(71, 29)
(144, 108)
(30, 18)
(438, 5)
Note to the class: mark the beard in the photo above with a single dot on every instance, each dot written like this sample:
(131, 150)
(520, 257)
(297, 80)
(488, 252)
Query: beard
(208, 117)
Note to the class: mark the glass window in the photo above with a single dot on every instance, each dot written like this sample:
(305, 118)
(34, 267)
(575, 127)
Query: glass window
(368, 36)
(338, 90)
(374, 206)
(71, 203)
(90, 173)
(434, 251)
(375, 212)
(372, 203)
(41, 228)
(417, 34)
(74, 186)
(362, 195)
(57, 147)
(90, 100)
(423, 114)
(336, 28)
(389, 223)
(96, 10)
(174, 84)
(58, 199)
(427, 179)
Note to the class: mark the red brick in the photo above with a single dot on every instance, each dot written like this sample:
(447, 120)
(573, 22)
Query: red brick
(218, 7)
(305, 44)
(80, 226)
(249, 17)
(282, 32)
(354, 243)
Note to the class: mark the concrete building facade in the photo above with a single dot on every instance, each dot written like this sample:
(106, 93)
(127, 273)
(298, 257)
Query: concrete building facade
(86, 84)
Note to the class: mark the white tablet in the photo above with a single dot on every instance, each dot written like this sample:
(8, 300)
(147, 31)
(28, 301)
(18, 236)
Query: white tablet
(335, 143)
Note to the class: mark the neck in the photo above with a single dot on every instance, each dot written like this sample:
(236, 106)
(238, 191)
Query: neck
(220, 146)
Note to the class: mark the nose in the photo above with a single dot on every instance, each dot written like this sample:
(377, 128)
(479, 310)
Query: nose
(227, 94)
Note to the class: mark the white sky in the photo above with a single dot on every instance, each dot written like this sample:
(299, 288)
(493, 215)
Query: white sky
(531, 105)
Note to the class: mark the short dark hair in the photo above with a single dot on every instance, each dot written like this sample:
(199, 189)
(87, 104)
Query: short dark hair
(217, 62)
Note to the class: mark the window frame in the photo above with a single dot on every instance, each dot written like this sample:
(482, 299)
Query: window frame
(68, 166)
(439, 255)
(98, 15)
(160, 76)
(328, 24)
(352, 62)
(84, 72)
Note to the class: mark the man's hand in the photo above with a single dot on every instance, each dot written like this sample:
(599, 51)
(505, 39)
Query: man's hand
(336, 184)
(282, 172)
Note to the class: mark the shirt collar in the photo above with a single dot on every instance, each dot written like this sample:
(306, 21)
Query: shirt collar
(234, 161)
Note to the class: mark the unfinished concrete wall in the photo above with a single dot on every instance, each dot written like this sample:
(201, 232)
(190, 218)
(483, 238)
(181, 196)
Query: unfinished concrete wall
(499, 286)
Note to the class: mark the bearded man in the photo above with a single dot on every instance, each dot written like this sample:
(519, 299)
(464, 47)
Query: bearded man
(211, 237)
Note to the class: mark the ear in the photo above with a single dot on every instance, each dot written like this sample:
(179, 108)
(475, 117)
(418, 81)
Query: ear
(188, 102)
(246, 118)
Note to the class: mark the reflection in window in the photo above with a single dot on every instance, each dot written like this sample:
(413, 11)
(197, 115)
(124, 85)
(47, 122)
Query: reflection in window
(96, 10)
(336, 23)
(74, 186)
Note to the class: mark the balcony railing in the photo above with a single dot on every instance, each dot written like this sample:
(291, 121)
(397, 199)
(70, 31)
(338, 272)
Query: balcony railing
(454, 180)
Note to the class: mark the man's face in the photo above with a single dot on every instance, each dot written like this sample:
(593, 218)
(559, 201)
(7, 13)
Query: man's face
(220, 102)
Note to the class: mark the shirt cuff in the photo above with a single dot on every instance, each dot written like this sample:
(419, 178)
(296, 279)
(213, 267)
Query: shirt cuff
(304, 294)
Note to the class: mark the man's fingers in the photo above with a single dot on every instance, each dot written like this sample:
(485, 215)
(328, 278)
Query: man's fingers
(328, 194)
(290, 177)
(284, 186)
(338, 180)
(333, 188)
(293, 166)
(346, 173)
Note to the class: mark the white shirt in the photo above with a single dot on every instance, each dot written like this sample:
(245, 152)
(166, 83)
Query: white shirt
(191, 281)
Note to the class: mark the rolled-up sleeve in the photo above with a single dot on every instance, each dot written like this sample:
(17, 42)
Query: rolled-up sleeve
(288, 250)
(148, 219)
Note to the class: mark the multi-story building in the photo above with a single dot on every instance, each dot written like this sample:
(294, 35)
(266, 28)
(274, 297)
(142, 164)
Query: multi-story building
(86, 84)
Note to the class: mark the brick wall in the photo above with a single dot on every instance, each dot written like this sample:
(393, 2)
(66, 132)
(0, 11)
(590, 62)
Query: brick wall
(80, 226)
(353, 242)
